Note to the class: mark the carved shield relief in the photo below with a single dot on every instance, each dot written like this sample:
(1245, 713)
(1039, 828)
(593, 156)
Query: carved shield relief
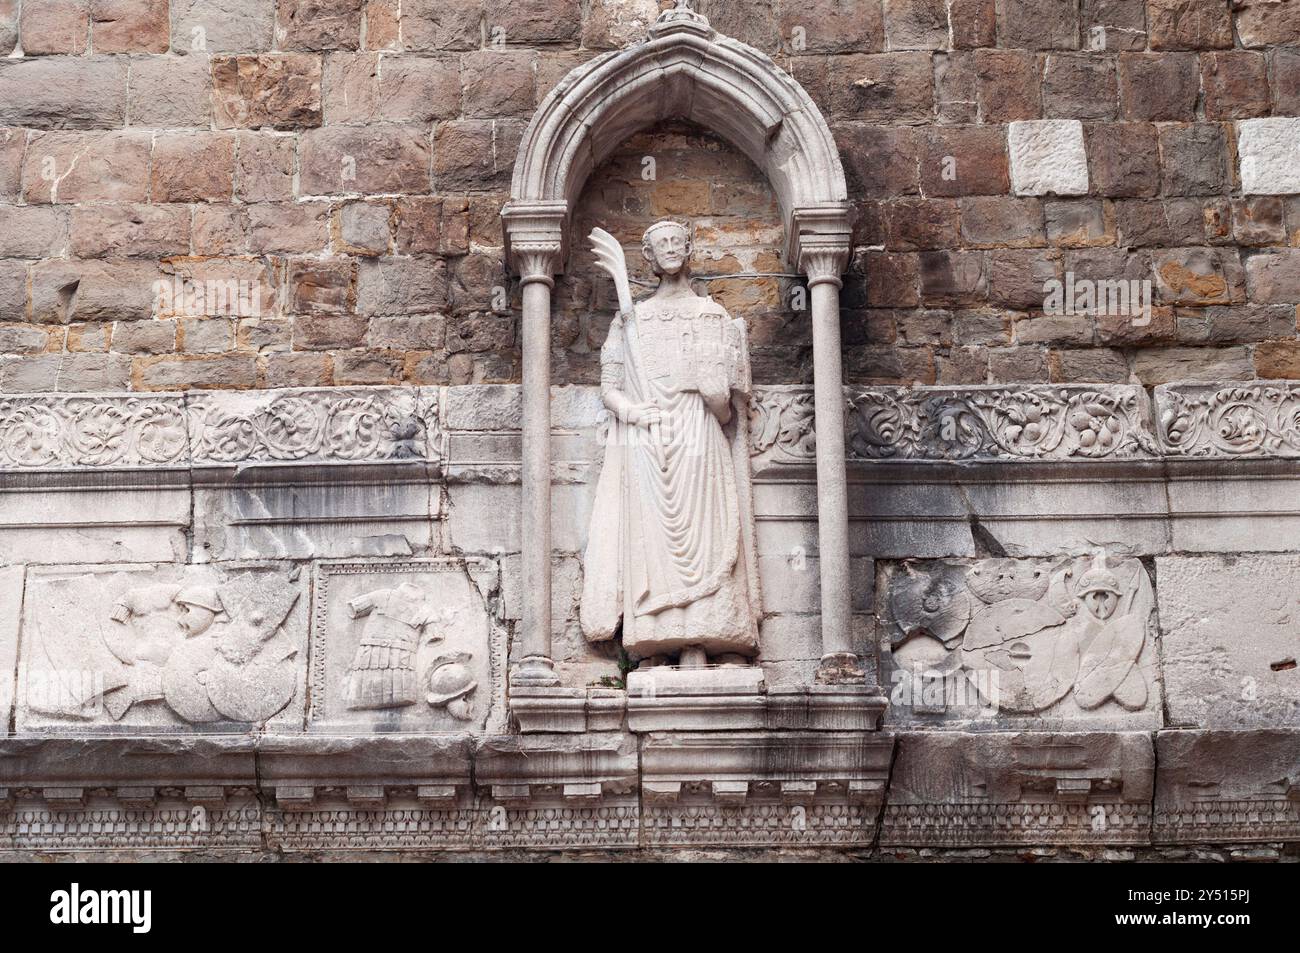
(185, 648)
(999, 642)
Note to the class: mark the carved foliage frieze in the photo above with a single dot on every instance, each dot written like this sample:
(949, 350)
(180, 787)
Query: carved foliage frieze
(1206, 420)
(343, 425)
(1026, 423)
(970, 423)
(54, 431)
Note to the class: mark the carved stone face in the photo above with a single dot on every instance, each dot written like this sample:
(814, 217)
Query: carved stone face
(195, 619)
(667, 248)
(1100, 603)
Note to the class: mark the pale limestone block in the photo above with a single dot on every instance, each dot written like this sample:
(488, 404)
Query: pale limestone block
(1231, 640)
(11, 601)
(1269, 153)
(405, 646)
(1000, 642)
(1048, 157)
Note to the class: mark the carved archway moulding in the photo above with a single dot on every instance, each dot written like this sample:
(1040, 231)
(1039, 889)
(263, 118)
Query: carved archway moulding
(684, 70)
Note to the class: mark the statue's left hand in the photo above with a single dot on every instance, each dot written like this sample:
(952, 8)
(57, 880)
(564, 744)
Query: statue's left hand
(716, 393)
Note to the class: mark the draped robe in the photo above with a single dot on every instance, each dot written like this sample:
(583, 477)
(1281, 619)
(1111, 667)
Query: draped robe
(670, 549)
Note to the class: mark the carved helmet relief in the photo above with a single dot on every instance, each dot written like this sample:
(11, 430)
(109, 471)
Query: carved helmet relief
(111, 650)
(383, 674)
(405, 645)
(1033, 636)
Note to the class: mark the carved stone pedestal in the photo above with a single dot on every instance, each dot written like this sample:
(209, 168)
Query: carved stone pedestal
(549, 710)
(671, 698)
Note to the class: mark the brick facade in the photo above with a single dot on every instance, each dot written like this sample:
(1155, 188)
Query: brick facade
(341, 165)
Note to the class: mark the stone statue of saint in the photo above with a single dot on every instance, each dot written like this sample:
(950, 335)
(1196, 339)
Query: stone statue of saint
(670, 549)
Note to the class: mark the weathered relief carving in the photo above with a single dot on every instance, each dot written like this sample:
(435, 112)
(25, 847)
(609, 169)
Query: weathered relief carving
(343, 425)
(967, 423)
(1069, 639)
(956, 790)
(1227, 786)
(53, 431)
(159, 647)
(670, 549)
(413, 645)
(1041, 423)
(1207, 420)
(781, 424)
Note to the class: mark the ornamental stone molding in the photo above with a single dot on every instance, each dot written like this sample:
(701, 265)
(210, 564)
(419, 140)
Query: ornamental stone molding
(1210, 420)
(56, 431)
(368, 425)
(313, 426)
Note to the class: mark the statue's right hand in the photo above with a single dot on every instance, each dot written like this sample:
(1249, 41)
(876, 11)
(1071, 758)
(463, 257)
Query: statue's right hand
(644, 415)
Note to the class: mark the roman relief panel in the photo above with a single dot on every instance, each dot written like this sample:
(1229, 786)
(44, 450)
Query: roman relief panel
(1025, 642)
(412, 645)
(132, 647)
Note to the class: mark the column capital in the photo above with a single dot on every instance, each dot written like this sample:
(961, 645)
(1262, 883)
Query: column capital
(820, 240)
(536, 261)
(535, 246)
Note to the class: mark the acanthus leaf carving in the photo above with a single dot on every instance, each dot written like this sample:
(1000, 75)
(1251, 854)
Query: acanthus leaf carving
(1207, 420)
(55, 430)
(287, 426)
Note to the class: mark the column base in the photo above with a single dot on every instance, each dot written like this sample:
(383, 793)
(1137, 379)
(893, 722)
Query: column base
(536, 671)
(840, 668)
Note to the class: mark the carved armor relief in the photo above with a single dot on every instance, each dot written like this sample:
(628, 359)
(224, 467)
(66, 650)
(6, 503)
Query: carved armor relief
(1020, 641)
(410, 645)
(117, 648)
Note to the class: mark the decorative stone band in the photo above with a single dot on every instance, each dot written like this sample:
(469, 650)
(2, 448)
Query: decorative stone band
(611, 790)
(395, 424)
(351, 424)
(59, 431)
(162, 431)
(1038, 422)
(1210, 420)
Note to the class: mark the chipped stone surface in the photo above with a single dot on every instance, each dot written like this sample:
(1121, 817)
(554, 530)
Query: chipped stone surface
(1227, 786)
(951, 790)
(1066, 642)
(1047, 157)
(1231, 640)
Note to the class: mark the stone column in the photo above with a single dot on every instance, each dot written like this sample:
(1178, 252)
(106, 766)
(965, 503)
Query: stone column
(535, 249)
(822, 257)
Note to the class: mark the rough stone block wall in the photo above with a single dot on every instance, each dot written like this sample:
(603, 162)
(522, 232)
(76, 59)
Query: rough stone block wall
(345, 161)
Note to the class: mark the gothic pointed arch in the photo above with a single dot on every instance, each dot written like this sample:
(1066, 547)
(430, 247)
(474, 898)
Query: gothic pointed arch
(684, 70)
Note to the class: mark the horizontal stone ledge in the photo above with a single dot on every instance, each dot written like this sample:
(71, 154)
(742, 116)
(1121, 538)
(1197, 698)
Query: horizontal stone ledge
(474, 427)
(558, 792)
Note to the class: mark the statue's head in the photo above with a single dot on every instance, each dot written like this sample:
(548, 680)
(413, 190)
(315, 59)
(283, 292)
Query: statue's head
(666, 246)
